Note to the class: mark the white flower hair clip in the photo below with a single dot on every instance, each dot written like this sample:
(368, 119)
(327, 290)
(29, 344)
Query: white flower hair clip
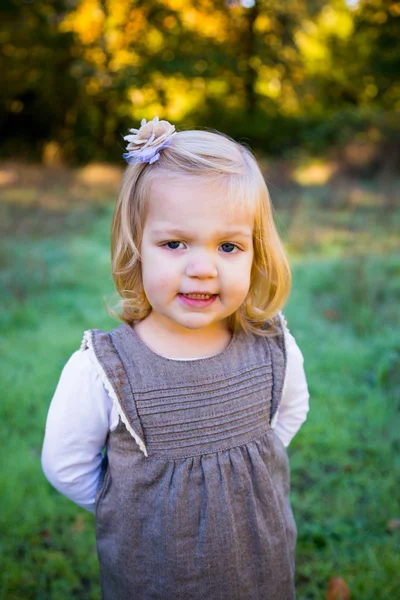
(146, 142)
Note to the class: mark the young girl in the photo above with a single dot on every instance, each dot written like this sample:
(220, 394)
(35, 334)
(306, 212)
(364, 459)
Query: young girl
(172, 427)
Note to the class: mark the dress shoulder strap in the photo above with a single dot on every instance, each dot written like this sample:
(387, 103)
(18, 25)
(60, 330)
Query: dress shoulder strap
(111, 371)
(277, 347)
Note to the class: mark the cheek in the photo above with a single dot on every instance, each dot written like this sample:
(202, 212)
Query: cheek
(157, 279)
(157, 270)
(244, 278)
(164, 283)
(241, 274)
(244, 286)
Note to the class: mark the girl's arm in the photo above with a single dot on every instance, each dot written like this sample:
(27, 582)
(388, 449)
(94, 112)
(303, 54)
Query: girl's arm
(76, 430)
(294, 404)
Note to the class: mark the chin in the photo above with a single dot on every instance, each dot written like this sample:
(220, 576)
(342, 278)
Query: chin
(194, 323)
(194, 326)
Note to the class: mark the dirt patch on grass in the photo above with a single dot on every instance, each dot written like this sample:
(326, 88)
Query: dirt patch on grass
(38, 221)
(43, 201)
(56, 187)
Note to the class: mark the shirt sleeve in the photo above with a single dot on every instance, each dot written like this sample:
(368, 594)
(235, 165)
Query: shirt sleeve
(294, 404)
(77, 426)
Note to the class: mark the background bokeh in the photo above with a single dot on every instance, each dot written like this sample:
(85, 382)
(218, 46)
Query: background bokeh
(284, 75)
(313, 87)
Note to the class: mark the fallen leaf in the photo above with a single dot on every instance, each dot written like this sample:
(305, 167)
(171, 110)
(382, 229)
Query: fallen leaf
(337, 589)
(331, 314)
(46, 538)
(79, 524)
(45, 533)
(392, 525)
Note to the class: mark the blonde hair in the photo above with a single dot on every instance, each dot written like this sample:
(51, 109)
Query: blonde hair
(219, 159)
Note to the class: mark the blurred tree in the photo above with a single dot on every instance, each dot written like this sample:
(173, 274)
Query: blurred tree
(352, 57)
(351, 85)
(80, 72)
(376, 49)
(38, 90)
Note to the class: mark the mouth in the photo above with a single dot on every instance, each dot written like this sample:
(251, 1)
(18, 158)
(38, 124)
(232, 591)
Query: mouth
(197, 300)
(198, 296)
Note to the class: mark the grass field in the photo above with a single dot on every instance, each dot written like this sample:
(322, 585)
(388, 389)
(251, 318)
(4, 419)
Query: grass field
(343, 240)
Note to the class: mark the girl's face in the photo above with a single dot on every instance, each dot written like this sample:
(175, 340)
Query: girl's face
(196, 255)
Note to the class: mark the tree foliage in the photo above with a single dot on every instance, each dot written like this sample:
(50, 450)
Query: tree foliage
(80, 72)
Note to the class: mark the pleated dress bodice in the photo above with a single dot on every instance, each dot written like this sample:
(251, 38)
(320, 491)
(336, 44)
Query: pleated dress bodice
(193, 502)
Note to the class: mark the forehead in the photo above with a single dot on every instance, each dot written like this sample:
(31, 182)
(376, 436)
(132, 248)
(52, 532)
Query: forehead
(189, 202)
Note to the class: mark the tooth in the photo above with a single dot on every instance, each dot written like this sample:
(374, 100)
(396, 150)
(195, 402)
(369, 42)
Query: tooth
(199, 296)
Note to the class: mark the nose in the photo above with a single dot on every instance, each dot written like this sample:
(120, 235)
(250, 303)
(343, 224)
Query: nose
(201, 266)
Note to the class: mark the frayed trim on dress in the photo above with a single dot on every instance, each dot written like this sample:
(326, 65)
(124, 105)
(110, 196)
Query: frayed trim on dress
(87, 342)
(282, 320)
(283, 323)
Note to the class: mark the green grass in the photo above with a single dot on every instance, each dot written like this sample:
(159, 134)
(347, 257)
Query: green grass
(345, 460)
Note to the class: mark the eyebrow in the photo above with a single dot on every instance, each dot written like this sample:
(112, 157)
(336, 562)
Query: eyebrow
(219, 234)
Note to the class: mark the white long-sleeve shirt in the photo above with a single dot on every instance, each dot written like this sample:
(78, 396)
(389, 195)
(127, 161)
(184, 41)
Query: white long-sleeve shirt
(82, 413)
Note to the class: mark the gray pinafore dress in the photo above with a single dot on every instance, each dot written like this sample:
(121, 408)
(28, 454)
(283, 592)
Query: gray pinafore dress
(193, 502)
